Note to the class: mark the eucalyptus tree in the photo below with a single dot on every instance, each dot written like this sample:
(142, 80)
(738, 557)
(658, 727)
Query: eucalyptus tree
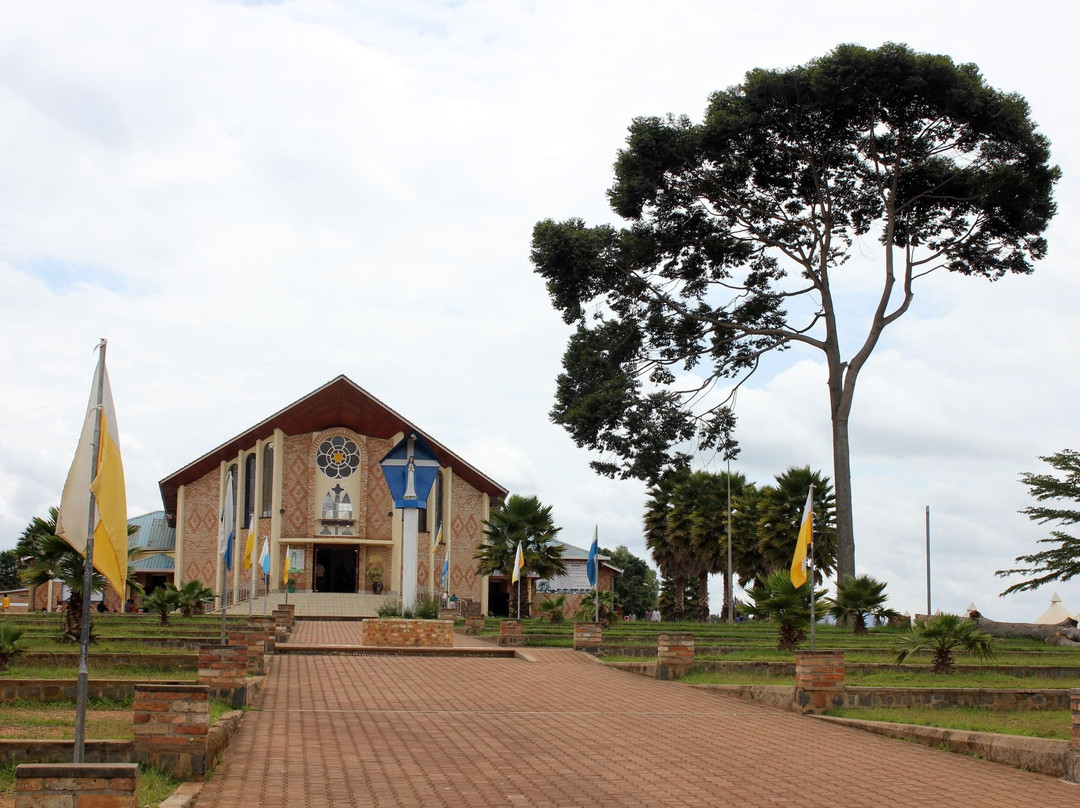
(742, 228)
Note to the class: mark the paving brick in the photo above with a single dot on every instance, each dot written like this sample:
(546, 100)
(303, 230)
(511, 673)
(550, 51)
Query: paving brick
(554, 728)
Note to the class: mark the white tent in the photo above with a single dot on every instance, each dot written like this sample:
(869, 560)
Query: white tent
(1056, 613)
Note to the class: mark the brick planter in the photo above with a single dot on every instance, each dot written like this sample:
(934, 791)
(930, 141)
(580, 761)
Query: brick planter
(71, 785)
(223, 669)
(268, 626)
(474, 623)
(674, 654)
(819, 680)
(510, 633)
(255, 642)
(588, 637)
(402, 633)
(171, 725)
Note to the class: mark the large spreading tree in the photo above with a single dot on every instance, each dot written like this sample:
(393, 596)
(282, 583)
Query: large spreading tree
(740, 226)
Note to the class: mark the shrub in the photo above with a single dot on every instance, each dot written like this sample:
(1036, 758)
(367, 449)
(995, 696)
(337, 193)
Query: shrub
(427, 606)
(390, 608)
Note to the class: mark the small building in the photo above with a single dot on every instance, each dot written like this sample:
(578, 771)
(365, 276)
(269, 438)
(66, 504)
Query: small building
(1056, 613)
(153, 550)
(574, 584)
(307, 480)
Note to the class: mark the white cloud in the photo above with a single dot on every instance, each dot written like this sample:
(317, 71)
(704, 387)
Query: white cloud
(249, 199)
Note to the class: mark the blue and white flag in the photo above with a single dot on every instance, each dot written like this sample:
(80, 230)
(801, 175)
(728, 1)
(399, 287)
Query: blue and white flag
(264, 556)
(591, 566)
(445, 571)
(228, 523)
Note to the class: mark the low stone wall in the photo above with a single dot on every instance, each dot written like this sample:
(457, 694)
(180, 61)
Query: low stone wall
(157, 662)
(474, 623)
(779, 696)
(399, 632)
(588, 637)
(674, 654)
(819, 680)
(74, 785)
(56, 689)
(223, 669)
(221, 732)
(511, 634)
(60, 751)
(171, 726)
(956, 697)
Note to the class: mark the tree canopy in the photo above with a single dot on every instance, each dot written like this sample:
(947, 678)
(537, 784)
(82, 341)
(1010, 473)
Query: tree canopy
(1062, 561)
(741, 225)
(638, 586)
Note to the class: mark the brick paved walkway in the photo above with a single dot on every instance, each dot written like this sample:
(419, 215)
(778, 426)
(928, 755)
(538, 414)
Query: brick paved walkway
(561, 730)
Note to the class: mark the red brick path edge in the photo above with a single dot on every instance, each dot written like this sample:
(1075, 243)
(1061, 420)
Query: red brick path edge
(549, 731)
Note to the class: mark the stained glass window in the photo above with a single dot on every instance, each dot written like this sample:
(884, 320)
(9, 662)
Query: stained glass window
(338, 457)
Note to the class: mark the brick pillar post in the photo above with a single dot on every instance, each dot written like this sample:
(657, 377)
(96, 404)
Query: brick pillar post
(1072, 753)
(474, 623)
(268, 626)
(223, 669)
(252, 639)
(281, 625)
(588, 637)
(291, 609)
(674, 654)
(510, 633)
(50, 785)
(819, 680)
(171, 727)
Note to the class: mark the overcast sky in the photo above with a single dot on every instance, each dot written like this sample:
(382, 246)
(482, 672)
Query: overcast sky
(248, 199)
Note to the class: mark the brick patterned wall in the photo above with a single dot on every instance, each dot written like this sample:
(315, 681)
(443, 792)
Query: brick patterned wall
(223, 669)
(468, 532)
(298, 486)
(408, 633)
(378, 504)
(201, 526)
(819, 680)
(49, 785)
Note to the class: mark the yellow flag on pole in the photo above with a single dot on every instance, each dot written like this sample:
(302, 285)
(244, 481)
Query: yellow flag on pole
(802, 544)
(286, 568)
(249, 552)
(519, 564)
(104, 476)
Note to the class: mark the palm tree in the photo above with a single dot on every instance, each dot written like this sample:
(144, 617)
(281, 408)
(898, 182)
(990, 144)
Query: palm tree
(11, 643)
(52, 558)
(163, 601)
(521, 520)
(777, 600)
(709, 533)
(671, 556)
(941, 634)
(609, 607)
(859, 597)
(551, 609)
(779, 515)
(193, 598)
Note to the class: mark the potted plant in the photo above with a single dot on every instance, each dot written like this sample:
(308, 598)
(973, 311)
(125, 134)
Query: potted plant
(374, 574)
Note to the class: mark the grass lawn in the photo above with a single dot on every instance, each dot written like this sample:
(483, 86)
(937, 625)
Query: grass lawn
(1055, 724)
(105, 719)
(20, 671)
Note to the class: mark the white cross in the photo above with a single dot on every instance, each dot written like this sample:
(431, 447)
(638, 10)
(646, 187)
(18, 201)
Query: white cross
(411, 463)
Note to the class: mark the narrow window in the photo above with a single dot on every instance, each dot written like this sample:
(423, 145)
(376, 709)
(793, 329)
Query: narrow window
(249, 489)
(268, 481)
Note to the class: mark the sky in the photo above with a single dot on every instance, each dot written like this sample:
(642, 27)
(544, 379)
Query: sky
(248, 199)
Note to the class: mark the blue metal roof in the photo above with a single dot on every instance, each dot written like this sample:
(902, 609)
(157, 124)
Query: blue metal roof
(159, 562)
(154, 532)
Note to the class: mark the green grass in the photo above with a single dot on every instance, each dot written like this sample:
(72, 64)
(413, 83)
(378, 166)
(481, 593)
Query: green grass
(1054, 724)
(26, 671)
(106, 718)
(736, 678)
(988, 679)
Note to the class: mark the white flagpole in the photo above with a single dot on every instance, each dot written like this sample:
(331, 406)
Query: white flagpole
(596, 571)
(810, 557)
(88, 572)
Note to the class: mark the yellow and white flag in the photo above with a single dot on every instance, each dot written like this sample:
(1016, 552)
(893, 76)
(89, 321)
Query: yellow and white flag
(286, 568)
(519, 565)
(802, 544)
(104, 476)
(249, 551)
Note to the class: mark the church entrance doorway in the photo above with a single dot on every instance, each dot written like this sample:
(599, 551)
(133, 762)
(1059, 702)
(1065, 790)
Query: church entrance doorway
(335, 568)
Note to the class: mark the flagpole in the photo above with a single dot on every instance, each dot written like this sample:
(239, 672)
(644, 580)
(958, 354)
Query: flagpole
(810, 552)
(88, 572)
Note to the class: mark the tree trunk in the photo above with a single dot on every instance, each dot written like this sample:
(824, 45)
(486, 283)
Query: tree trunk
(845, 522)
(727, 611)
(703, 596)
(1015, 630)
(73, 618)
(679, 597)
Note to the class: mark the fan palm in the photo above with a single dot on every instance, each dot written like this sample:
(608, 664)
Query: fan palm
(551, 609)
(51, 557)
(163, 601)
(709, 532)
(670, 555)
(521, 520)
(777, 600)
(859, 597)
(609, 607)
(193, 598)
(941, 634)
(779, 515)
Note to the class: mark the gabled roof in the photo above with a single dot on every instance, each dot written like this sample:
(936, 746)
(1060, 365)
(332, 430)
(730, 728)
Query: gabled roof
(339, 402)
(154, 532)
(155, 563)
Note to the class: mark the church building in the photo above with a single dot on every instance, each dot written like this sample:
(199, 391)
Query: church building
(307, 481)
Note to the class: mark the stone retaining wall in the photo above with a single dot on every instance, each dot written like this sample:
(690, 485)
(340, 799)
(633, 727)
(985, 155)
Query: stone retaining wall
(956, 697)
(157, 662)
(75, 785)
(399, 632)
(56, 689)
(60, 751)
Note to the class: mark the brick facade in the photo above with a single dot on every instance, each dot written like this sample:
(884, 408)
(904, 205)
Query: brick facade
(70, 785)
(171, 726)
(202, 516)
(391, 633)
